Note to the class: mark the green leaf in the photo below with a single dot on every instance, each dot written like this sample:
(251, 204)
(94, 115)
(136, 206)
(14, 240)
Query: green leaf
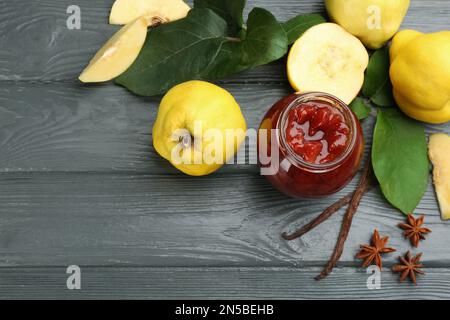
(265, 42)
(400, 161)
(176, 52)
(298, 25)
(230, 10)
(377, 84)
(360, 108)
(384, 96)
(197, 47)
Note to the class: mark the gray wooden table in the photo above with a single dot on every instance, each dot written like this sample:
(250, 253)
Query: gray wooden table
(80, 184)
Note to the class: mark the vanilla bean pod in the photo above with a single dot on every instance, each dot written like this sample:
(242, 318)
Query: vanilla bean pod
(348, 219)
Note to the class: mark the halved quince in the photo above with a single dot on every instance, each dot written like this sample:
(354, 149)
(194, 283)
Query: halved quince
(154, 11)
(117, 55)
(328, 59)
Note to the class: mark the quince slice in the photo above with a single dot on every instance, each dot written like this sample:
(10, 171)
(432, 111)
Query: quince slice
(117, 55)
(439, 151)
(328, 59)
(154, 11)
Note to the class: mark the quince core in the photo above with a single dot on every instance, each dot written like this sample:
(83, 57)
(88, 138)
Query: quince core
(326, 58)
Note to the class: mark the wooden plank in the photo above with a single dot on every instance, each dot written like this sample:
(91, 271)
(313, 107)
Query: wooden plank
(215, 283)
(53, 52)
(35, 43)
(167, 220)
(81, 184)
(66, 127)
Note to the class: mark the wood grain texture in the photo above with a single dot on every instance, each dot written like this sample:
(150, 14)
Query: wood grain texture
(80, 183)
(35, 43)
(168, 220)
(67, 127)
(215, 283)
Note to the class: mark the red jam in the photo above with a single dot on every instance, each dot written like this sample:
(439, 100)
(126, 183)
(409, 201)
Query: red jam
(317, 132)
(315, 148)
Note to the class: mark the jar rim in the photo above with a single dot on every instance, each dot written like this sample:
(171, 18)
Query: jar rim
(331, 100)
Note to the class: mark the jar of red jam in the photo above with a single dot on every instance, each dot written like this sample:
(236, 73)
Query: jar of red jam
(310, 145)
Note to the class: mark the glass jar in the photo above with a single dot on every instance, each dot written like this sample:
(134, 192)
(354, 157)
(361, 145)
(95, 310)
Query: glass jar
(280, 153)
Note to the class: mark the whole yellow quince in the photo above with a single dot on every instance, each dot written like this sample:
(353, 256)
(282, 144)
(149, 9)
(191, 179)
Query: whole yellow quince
(374, 22)
(420, 74)
(199, 127)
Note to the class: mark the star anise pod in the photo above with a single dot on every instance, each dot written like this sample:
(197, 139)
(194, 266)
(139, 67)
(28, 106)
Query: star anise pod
(413, 230)
(409, 267)
(372, 253)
